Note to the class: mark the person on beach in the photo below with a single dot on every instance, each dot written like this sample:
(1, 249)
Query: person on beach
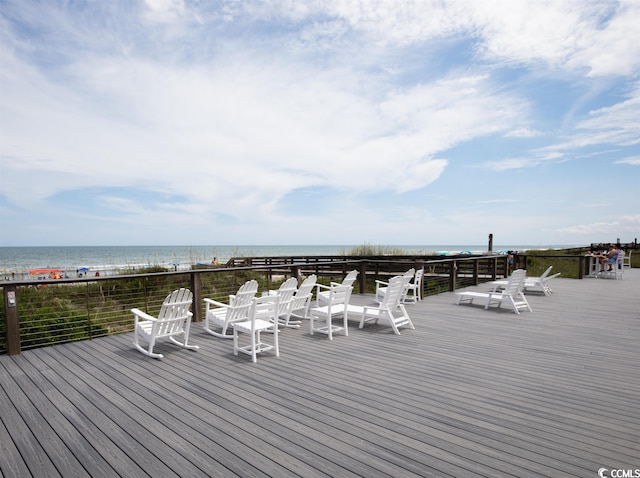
(610, 258)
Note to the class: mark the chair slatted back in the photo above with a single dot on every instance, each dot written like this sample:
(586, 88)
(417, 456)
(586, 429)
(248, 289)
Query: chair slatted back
(240, 303)
(350, 278)
(394, 292)
(304, 293)
(174, 312)
(339, 296)
(516, 281)
(264, 308)
(285, 294)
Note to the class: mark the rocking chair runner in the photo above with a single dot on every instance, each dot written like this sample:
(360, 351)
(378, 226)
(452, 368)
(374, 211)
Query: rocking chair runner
(174, 319)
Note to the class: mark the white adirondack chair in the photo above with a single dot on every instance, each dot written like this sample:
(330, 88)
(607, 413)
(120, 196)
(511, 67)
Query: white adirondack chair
(531, 283)
(539, 284)
(321, 317)
(174, 319)
(391, 310)
(220, 316)
(617, 271)
(285, 295)
(414, 288)
(381, 286)
(301, 302)
(512, 294)
(322, 296)
(262, 318)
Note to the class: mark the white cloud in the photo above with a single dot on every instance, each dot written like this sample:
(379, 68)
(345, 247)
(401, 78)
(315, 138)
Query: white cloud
(236, 106)
(634, 161)
(522, 133)
(164, 11)
(624, 225)
(510, 163)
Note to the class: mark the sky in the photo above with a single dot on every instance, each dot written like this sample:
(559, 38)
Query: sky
(263, 122)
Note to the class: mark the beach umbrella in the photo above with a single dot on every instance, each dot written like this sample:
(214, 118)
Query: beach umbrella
(84, 269)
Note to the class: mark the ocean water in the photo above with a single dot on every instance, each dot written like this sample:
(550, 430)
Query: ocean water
(21, 260)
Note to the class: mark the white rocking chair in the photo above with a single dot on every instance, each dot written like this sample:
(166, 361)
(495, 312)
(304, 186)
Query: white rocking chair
(285, 294)
(414, 288)
(301, 302)
(173, 319)
(219, 315)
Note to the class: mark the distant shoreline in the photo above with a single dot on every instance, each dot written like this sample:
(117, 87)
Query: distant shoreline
(69, 261)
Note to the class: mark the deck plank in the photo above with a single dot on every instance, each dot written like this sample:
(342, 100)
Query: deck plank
(470, 392)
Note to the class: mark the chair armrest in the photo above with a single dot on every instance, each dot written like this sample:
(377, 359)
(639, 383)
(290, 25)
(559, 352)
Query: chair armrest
(216, 303)
(143, 315)
(322, 286)
(381, 282)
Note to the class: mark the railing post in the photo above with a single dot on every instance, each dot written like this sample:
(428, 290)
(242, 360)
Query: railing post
(363, 277)
(582, 262)
(12, 321)
(295, 272)
(453, 270)
(196, 288)
(476, 275)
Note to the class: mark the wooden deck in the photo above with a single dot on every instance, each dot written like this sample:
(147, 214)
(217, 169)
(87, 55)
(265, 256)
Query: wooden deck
(470, 392)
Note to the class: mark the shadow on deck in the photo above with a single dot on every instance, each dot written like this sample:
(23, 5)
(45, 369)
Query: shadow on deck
(470, 392)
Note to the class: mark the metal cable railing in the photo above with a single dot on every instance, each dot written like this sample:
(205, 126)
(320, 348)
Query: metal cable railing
(50, 312)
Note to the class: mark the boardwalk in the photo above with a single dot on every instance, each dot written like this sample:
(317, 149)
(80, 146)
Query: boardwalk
(468, 393)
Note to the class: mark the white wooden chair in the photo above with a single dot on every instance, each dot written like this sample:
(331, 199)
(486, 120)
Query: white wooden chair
(617, 269)
(301, 302)
(511, 295)
(220, 316)
(321, 317)
(414, 288)
(381, 286)
(322, 296)
(262, 321)
(388, 309)
(626, 262)
(174, 319)
(285, 294)
(531, 283)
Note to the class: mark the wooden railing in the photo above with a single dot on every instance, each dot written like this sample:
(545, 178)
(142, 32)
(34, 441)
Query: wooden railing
(37, 313)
